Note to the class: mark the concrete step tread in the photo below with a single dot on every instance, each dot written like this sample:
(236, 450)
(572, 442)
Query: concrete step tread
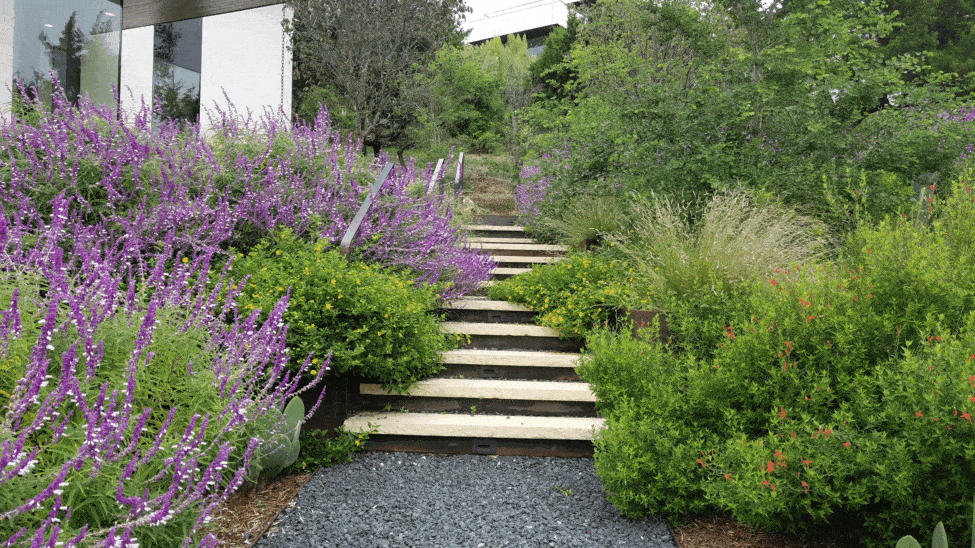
(521, 259)
(485, 304)
(493, 389)
(476, 426)
(498, 329)
(514, 358)
(488, 246)
(498, 240)
(495, 228)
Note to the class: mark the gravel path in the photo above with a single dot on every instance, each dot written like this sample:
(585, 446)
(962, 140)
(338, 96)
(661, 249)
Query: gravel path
(453, 501)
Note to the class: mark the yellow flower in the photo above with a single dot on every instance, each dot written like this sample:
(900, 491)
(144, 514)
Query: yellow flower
(328, 306)
(278, 252)
(185, 260)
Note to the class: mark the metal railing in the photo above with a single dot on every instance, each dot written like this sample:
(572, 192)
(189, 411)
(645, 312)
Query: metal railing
(436, 176)
(350, 233)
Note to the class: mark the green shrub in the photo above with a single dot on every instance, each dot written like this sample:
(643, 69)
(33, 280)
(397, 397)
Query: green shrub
(883, 455)
(588, 221)
(318, 450)
(161, 384)
(572, 295)
(646, 455)
(376, 323)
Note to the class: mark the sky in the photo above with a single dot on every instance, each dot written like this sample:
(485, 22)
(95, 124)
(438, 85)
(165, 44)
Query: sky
(493, 17)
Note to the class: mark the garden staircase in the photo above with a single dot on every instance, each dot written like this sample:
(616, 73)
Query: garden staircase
(510, 389)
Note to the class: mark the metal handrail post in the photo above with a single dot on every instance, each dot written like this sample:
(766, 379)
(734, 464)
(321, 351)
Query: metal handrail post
(353, 229)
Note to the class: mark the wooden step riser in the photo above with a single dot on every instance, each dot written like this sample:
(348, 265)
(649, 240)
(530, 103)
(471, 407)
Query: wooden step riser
(519, 261)
(502, 275)
(521, 252)
(508, 372)
(480, 406)
(489, 316)
(503, 342)
(480, 446)
(487, 233)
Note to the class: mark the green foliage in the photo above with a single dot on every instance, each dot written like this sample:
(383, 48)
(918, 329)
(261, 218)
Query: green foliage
(646, 454)
(470, 95)
(315, 97)
(681, 100)
(831, 395)
(280, 432)
(464, 102)
(376, 323)
(319, 450)
(588, 221)
(939, 539)
(551, 71)
(734, 238)
(162, 384)
(573, 295)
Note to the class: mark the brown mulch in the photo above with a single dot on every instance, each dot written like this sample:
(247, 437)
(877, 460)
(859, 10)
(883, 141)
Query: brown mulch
(250, 513)
(725, 532)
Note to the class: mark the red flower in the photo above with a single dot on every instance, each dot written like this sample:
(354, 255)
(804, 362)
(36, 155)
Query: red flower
(967, 417)
(727, 477)
(847, 445)
(782, 412)
(918, 414)
(770, 467)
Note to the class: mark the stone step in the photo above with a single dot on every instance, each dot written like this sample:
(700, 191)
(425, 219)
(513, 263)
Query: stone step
(492, 389)
(475, 426)
(531, 250)
(514, 358)
(510, 337)
(500, 330)
(490, 396)
(487, 311)
(505, 273)
(498, 240)
(510, 364)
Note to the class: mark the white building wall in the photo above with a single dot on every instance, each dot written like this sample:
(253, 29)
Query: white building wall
(135, 82)
(246, 60)
(6, 53)
(503, 17)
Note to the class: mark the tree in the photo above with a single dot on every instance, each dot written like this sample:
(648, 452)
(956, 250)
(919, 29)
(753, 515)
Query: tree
(65, 56)
(366, 52)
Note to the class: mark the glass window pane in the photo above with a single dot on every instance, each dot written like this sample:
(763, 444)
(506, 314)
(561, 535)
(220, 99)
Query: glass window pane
(75, 41)
(177, 55)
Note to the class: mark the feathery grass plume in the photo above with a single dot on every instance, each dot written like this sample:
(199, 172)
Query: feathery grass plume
(734, 239)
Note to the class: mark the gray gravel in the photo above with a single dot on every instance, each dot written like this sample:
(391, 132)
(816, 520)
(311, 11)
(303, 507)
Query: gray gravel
(452, 501)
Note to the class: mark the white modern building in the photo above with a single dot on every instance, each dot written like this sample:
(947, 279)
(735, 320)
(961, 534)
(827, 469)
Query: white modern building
(188, 53)
(533, 19)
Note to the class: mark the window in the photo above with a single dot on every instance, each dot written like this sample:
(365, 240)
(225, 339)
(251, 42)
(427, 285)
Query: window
(75, 42)
(177, 53)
